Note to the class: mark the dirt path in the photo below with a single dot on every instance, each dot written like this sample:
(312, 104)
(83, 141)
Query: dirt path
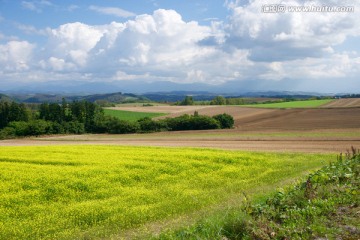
(326, 144)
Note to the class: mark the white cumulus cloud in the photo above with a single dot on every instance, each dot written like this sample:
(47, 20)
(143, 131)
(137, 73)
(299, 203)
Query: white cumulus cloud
(162, 46)
(16, 56)
(72, 42)
(289, 35)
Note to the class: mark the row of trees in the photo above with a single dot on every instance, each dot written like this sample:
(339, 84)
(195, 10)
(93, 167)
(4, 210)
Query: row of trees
(20, 120)
(85, 117)
(220, 100)
(187, 122)
(83, 112)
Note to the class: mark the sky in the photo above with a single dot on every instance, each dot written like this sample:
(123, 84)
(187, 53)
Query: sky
(232, 45)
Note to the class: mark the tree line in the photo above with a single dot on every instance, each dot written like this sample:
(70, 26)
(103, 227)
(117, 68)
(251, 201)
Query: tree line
(220, 100)
(80, 117)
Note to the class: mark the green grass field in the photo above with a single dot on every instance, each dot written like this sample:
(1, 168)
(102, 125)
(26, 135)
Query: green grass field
(131, 116)
(87, 192)
(293, 104)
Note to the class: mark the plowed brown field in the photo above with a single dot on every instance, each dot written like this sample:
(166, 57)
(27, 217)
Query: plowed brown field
(346, 102)
(302, 119)
(255, 119)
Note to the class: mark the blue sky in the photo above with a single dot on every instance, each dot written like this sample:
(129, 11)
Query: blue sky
(216, 43)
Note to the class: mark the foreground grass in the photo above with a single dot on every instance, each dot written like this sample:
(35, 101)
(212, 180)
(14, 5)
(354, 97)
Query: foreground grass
(325, 206)
(68, 192)
(131, 116)
(292, 104)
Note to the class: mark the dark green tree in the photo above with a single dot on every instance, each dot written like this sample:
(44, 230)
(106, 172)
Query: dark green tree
(64, 110)
(118, 126)
(78, 111)
(89, 116)
(225, 120)
(187, 101)
(54, 113)
(219, 100)
(149, 125)
(44, 111)
(4, 114)
(203, 122)
(10, 112)
(18, 112)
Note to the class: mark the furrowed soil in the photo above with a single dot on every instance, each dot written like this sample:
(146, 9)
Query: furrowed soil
(346, 102)
(290, 130)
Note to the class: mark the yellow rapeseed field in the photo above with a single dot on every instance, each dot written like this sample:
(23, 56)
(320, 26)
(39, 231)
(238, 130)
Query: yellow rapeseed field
(69, 192)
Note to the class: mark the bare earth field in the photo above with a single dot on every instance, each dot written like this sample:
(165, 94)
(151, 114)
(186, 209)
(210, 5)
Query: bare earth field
(346, 102)
(333, 128)
(302, 119)
(303, 144)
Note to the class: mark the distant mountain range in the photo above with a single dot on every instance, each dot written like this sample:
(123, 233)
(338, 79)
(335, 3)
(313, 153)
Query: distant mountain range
(88, 88)
(172, 96)
(117, 97)
(235, 88)
(141, 87)
(120, 91)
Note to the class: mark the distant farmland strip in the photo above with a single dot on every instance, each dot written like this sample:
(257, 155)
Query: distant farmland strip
(293, 104)
(131, 116)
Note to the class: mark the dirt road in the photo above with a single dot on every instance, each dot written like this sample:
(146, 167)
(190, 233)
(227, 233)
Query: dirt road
(335, 141)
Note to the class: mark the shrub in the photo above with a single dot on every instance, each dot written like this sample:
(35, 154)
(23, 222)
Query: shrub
(188, 100)
(100, 124)
(39, 127)
(187, 122)
(225, 120)
(74, 127)
(117, 126)
(147, 105)
(178, 123)
(149, 125)
(57, 128)
(7, 132)
(33, 128)
(203, 123)
(20, 128)
(219, 100)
